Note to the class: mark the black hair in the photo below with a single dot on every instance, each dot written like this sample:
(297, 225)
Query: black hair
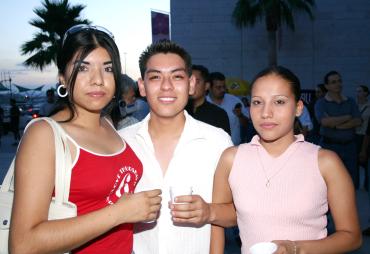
(163, 46)
(50, 92)
(82, 43)
(203, 71)
(327, 75)
(322, 87)
(364, 88)
(285, 74)
(216, 76)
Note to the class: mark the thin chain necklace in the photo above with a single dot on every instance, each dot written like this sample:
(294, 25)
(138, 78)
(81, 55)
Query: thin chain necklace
(268, 179)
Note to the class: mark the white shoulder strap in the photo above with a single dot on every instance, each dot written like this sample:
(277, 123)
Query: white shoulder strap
(63, 163)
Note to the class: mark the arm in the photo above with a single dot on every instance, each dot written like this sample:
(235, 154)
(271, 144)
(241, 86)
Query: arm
(324, 119)
(222, 195)
(30, 230)
(333, 121)
(352, 123)
(341, 199)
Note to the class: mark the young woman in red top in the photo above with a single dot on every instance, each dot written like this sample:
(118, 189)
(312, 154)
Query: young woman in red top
(105, 169)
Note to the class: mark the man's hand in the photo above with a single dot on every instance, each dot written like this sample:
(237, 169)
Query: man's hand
(193, 210)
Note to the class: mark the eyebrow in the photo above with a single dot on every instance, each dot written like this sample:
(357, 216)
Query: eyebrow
(276, 95)
(85, 62)
(172, 71)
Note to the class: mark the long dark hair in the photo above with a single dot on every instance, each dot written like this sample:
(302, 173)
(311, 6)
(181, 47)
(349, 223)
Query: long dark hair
(82, 43)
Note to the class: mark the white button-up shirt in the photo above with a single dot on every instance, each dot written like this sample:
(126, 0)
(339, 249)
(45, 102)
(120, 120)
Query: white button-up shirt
(228, 104)
(193, 164)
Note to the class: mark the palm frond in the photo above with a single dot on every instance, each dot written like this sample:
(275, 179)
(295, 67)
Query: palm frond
(53, 19)
(246, 13)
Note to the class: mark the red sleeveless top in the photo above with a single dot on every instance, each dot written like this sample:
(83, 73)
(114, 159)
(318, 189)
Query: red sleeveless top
(99, 180)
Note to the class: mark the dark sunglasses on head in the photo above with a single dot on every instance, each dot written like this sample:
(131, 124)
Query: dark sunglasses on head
(81, 27)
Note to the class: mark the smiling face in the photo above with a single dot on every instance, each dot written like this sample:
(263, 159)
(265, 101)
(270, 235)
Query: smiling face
(95, 85)
(273, 108)
(166, 85)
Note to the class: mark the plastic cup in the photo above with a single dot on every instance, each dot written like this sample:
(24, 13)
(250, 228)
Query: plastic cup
(176, 191)
(263, 248)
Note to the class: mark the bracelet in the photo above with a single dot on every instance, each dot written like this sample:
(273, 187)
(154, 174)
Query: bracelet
(294, 248)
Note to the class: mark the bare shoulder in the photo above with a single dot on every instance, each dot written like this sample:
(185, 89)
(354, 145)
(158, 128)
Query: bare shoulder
(230, 153)
(227, 159)
(330, 165)
(327, 158)
(37, 135)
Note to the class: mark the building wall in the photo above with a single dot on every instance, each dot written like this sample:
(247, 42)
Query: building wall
(337, 39)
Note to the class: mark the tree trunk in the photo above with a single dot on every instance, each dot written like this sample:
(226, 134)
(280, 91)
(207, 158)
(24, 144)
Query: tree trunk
(272, 48)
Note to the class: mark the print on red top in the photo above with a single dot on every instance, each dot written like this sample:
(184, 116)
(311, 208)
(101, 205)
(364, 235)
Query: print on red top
(126, 181)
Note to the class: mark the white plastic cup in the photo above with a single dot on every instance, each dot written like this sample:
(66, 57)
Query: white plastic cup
(176, 191)
(263, 248)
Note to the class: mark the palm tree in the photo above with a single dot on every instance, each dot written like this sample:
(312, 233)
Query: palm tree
(274, 13)
(54, 18)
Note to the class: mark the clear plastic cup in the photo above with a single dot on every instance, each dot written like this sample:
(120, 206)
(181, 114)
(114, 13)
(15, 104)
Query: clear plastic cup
(176, 191)
(263, 248)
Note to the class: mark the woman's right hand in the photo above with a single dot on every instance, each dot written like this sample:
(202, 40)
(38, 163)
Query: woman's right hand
(140, 206)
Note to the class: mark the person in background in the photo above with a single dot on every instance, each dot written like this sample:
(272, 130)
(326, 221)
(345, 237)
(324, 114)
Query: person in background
(176, 150)
(320, 91)
(247, 132)
(339, 116)
(281, 185)
(365, 145)
(200, 108)
(305, 121)
(1, 122)
(122, 114)
(364, 108)
(230, 103)
(49, 105)
(314, 135)
(15, 115)
(141, 105)
(105, 170)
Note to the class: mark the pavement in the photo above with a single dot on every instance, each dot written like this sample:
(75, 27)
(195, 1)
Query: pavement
(7, 152)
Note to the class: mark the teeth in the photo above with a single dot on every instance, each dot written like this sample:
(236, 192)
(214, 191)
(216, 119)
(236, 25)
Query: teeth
(167, 99)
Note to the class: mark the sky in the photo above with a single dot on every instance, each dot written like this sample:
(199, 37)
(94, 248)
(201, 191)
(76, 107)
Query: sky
(128, 20)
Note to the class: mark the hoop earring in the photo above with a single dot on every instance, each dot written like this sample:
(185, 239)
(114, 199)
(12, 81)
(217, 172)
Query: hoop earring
(59, 93)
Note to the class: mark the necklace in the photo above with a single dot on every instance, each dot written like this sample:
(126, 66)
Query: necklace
(268, 178)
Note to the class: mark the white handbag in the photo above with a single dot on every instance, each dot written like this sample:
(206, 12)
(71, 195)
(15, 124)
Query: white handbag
(60, 207)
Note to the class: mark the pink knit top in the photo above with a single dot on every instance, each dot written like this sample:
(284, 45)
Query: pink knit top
(278, 198)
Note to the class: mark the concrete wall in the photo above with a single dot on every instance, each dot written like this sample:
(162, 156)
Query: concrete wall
(338, 39)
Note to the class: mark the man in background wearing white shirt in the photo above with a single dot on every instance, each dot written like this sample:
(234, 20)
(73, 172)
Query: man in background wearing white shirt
(176, 150)
(230, 103)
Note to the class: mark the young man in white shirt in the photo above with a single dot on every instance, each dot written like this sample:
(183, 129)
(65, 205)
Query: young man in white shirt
(176, 150)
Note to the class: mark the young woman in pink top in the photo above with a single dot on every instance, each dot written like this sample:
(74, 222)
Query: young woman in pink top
(282, 186)
(105, 169)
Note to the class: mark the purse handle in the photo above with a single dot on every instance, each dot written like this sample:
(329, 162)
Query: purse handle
(63, 163)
